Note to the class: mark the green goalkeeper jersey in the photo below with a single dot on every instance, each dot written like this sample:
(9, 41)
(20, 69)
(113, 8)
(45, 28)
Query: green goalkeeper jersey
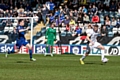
(50, 36)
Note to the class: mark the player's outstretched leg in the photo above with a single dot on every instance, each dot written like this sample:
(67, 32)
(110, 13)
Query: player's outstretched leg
(85, 55)
(30, 52)
(82, 58)
(103, 50)
(11, 52)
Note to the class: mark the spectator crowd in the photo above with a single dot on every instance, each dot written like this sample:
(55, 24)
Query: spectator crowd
(74, 15)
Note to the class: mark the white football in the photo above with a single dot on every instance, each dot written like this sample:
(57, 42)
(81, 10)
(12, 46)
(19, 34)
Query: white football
(105, 60)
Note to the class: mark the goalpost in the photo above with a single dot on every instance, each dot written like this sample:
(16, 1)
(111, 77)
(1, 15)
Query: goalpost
(17, 18)
(5, 24)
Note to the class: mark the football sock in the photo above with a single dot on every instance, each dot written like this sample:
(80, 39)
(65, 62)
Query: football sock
(13, 51)
(52, 49)
(83, 57)
(102, 54)
(30, 53)
(47, 49)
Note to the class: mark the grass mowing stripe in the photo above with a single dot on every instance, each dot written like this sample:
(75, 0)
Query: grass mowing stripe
(59, 67)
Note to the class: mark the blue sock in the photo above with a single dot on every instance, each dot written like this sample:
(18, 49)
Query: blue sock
(13, 51)
(30, 53)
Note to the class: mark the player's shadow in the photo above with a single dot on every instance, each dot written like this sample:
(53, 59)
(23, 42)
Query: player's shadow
(89, 63)
(21, 62)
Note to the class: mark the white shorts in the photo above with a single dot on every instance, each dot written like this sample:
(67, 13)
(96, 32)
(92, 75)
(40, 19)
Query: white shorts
(95, 45)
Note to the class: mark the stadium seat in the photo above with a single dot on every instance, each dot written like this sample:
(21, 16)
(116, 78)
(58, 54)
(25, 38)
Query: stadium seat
(11, 29)
(69, 34)
(106, 13)
(0, 20)
(1, 32)
(63, 34)
(110, 34)
(38, 34)
(43, 30)
(116, 16)
(111, 13)
(119, 30)
(114, 30)
(111, 16)
(6, 29)
(34, 24)
(29, 24)
(0, 24)
(99, 25)
(1, 27)
(102, 20)
(4, 24)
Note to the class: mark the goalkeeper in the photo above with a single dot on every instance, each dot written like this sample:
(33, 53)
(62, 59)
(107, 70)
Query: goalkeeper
(51, 39)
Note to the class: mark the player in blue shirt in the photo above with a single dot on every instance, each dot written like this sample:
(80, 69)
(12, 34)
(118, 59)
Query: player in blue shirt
(21, 41)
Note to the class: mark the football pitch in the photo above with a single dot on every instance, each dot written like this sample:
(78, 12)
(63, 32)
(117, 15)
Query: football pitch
(59, 67)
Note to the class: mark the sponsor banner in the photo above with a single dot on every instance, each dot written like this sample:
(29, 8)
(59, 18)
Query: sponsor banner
(110, 50)
(57, 50)
(114, 50)
(75, 49)
(41, 49)
(9, 47)
(5, 48)
(23, 50)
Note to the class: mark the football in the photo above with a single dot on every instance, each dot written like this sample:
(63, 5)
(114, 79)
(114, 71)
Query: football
(105, 60)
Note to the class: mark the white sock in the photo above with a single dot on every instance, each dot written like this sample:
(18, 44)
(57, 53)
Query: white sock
(102, 54)
(83, 57)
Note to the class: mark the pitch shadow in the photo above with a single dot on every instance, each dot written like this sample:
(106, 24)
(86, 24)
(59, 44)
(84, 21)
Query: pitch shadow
(22, 62)
(89, 63)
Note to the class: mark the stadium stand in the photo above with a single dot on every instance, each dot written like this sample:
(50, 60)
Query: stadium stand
(58, 13)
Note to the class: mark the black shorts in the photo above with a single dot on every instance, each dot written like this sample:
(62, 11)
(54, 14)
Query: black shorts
(88, 49)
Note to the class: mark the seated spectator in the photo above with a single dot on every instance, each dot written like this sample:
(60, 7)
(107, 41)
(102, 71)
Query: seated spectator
(75, 15)
(67, 20)
(56, 13)
(89, 27)
(84, 10)
(80, 19)
(86, 18)
(51, 18)
(119, 11)
(118, 23)
(80, 8)
(113, 6)
(104, 34)
(95, 18)
(36, 18)
(72, 25)
(104, 31)
(28, 8)
(94, 9)
(67, 28)
(101, 7)
(71, 14)
(107, 21)
(78, 31)
(90, 9)
(66, 9)
(39, 4)
(113, 22)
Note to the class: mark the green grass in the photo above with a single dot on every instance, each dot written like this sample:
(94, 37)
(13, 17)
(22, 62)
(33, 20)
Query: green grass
(59, 67)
